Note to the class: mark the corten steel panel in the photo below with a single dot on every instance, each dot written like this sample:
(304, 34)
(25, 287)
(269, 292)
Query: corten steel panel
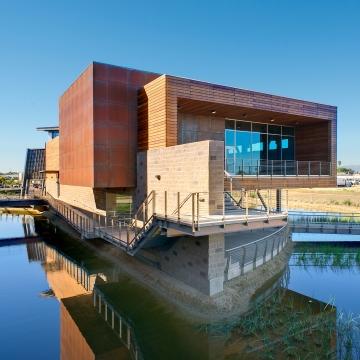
(115, 124)
(98, 127)
(76, 132)
(162, 99)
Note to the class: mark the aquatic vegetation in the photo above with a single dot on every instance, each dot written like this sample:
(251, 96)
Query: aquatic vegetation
(323, 255)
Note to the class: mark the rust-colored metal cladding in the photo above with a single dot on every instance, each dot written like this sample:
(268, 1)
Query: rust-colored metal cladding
(76, 128)
(98, 126)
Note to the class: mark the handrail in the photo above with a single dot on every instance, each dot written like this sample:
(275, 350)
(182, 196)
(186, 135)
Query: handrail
(146, 202)
(180, 205)
(228, 193)
(143, 208)
(258, 240)
(278, 168)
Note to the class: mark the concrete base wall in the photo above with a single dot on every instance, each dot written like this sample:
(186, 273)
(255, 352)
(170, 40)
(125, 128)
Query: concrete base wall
(79, 196)
(198, 262)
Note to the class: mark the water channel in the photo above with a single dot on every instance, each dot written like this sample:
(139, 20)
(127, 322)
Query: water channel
(60, 299)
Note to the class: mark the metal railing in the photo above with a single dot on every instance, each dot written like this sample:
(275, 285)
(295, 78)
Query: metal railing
(279, 168)
(190, 210)
(303, 217)
(121, 326)
(247, 257)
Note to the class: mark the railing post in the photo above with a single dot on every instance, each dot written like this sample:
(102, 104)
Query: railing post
(165, 205)
(285, 167)
(178, 205)
(193, 211)
(297, 168)
(257, 168)
(154, 202)
(319, 168)
(197, 210)
(246, 205)
(268, 204)
(242, 168)
(255, 255)
(272, 168)
(144, 217)
(128, 337)
(309, 168)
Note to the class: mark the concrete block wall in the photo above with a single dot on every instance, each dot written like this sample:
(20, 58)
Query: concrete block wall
(186, 168)
(52, 155)
(198, 262)
(82, 197)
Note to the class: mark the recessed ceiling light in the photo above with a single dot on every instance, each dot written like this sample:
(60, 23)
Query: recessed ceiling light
(272, 120)
(213, 111)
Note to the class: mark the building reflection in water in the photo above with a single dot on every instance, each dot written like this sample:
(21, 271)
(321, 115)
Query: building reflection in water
(27, 223)
(106, 315)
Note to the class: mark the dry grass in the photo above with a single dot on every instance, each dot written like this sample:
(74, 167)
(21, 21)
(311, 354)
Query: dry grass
(345, 200)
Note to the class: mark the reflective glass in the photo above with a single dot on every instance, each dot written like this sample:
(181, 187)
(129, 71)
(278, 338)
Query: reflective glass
(274, 147)
(287, 147)
(242, 151)
(259, 146)
(243, 125)
(287, 130)
(247, 152)
(230, 124)
(229, 150)
(274, 129)
(258, 127)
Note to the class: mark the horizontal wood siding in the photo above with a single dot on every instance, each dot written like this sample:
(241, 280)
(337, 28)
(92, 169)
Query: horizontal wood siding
(315, 123)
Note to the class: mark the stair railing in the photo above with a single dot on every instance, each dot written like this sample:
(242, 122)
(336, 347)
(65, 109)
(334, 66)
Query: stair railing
(142, 218)
(237, 202)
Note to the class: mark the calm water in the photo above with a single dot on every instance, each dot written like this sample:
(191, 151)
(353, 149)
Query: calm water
(47, 312)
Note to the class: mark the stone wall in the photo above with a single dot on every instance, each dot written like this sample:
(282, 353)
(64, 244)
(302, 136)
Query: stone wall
(186, 168)
(198, 262)
(52, 155)
(79, 196)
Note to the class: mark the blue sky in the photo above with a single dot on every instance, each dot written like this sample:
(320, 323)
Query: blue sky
(303, 49)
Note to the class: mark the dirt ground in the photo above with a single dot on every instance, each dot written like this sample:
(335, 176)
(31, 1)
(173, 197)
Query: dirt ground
(345, 200)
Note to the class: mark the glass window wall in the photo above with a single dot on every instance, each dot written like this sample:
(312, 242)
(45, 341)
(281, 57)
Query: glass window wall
(252, 148)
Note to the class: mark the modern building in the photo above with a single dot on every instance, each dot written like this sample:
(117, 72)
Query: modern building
(167, 156)
(125, 132)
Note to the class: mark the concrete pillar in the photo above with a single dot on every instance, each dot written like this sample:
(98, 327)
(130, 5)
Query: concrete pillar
(216, 263)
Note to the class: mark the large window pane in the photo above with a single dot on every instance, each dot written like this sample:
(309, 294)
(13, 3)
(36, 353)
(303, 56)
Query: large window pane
(243, 125)
(243, 152)
(259, 146)
(287, 147)
(229, 150)
(287, 130)
(274, 147)
(258, 127)
(230, 124)
(274, 129)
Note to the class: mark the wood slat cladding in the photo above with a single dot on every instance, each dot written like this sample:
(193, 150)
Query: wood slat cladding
(315, 123)
(200, 98)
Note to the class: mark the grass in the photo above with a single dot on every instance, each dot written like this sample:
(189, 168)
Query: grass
(326, 199)
(292, 326)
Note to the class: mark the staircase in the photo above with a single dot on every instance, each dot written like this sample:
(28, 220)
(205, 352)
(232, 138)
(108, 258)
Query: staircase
(232, 206)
